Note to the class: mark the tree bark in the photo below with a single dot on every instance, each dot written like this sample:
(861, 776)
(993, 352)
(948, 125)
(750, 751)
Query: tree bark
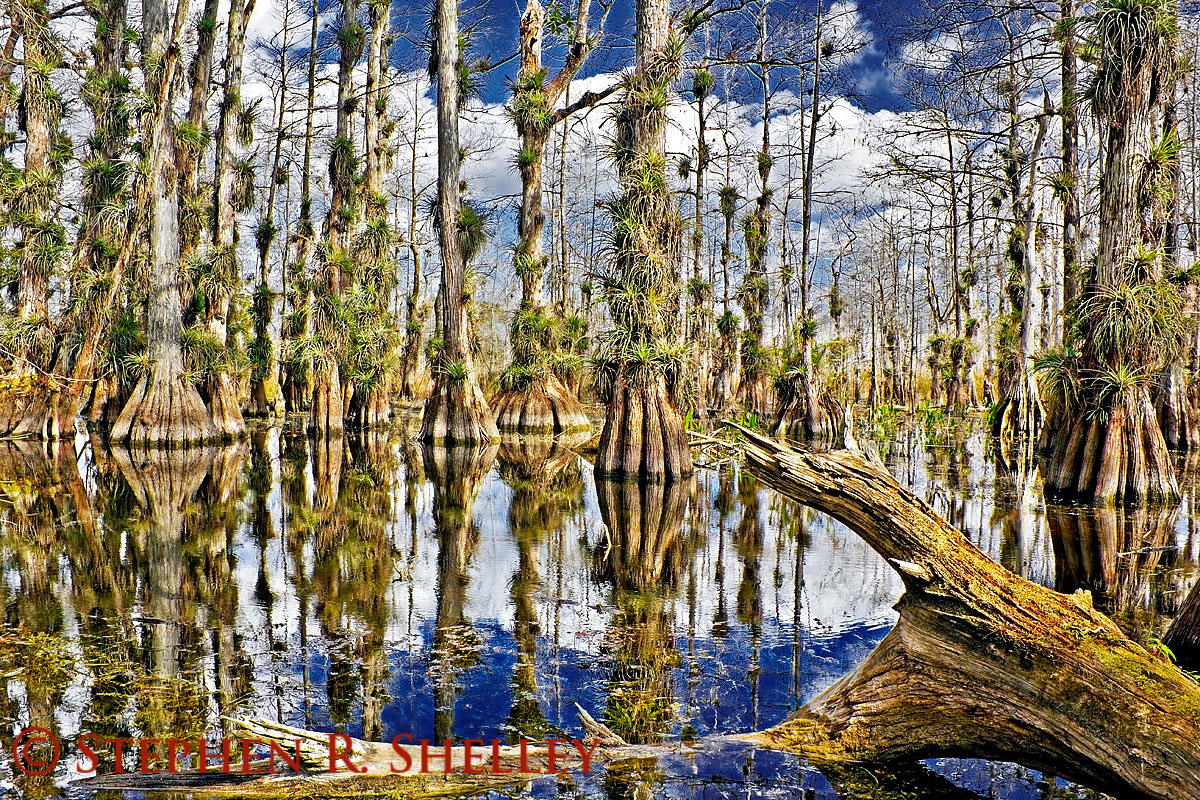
(297, 379)
(164, 408)
(1183, 637)
(457, 410)
(643, 436)
(725, 384)
(192, 217)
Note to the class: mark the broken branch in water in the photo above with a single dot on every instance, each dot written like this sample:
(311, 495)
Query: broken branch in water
(981, 661)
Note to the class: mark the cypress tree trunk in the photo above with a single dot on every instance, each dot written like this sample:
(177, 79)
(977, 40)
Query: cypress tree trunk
(803, 413)
(165, 407)
(193, 210)
(700, 291)
(1174, 402)
(43, 109)
(1070, 151)
(1110, 447)
(297, 378)
(373, 407)
(266, 394)
(752, 393)
(1183, 637)
(534, 396)
(643, 436)
(725, 384)
(457, 410)
(222, 386)
(107, 239)
(328, 411)
(27, 388)
(1020, 412)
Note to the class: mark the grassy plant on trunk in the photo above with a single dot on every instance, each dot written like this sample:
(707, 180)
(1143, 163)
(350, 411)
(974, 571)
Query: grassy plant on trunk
(371, 363)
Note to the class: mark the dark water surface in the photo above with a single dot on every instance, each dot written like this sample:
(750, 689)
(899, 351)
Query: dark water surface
(368, 586)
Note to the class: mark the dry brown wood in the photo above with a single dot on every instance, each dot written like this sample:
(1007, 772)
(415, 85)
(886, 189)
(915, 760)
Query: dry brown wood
(982, 662)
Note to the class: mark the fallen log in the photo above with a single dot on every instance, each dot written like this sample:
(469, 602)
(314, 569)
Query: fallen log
(981, 664)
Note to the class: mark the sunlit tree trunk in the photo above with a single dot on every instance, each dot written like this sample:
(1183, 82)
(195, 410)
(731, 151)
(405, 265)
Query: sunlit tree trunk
(266, 394)
(328, 411)
(1020, 412)
(753, 293)
(190, 147)
(297, 380)
(165, 407)
(457, 410)
(42, 243)
(1174, 400)
(643, 436)
(222, 386)
(725, 383)
(371, 406)
(534, 396)
(803, 412)
(412, 378)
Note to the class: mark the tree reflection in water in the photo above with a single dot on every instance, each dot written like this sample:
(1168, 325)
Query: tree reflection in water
(456, 473)
(642, 559)
(369, 585)
(547, 484)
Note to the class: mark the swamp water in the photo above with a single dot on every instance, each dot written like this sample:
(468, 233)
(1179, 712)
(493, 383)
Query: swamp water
(369, 586)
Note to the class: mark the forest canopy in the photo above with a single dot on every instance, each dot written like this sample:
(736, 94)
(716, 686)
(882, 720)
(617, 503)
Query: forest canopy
(791, 211)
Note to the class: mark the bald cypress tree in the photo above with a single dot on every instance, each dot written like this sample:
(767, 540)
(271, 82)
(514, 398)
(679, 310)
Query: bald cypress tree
(643, 436)
(165, 407)
(1129, 319)
(456, 411)
(533, 393)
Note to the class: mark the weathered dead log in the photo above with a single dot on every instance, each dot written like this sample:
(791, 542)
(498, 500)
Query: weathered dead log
(981, 662)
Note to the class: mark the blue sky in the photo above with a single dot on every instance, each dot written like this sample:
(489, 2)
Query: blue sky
(494, 24)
